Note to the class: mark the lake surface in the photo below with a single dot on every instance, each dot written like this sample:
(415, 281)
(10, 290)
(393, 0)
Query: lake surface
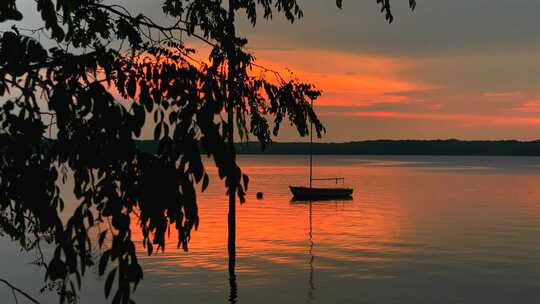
(419, 229)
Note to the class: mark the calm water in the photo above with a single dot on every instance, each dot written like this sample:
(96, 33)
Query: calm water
(419, 230)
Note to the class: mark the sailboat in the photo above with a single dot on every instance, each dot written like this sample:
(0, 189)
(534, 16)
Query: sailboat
(318, 193)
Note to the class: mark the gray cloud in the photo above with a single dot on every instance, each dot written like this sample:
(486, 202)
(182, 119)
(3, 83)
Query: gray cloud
(436, 26)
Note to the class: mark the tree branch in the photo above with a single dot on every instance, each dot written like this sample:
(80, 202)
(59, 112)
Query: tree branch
(149, 23)
(13, 288)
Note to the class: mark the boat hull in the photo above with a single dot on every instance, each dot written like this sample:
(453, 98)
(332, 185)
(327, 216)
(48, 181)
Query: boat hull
(307, 193)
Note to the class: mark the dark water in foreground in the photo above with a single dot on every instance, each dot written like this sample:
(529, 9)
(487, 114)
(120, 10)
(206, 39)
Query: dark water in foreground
(419, 230)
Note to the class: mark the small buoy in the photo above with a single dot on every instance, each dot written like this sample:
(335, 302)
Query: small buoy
(259, 195)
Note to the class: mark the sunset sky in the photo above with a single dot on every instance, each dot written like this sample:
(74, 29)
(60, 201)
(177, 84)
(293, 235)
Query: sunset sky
(460, 69)
(450, 69)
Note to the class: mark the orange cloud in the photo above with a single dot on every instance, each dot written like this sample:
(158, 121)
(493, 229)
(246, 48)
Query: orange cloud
(347, 79)
(501, 94)
(531, 106)
(362, 80)
(468, 119)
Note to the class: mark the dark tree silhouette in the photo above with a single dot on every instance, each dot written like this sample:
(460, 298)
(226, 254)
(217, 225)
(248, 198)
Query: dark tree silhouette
(77, 108)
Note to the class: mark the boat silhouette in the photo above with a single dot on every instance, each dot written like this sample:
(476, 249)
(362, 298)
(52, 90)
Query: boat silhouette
(318, 193)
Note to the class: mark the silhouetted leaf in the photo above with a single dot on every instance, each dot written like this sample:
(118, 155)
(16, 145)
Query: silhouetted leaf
(157, 131)
(103, 262)
(117, 296)
(245, 179)
(109, 281)
(205, 182)
(149, 248)
(131, 86)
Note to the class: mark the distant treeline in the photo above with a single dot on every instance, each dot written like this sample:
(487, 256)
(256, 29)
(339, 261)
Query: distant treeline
(389, 147)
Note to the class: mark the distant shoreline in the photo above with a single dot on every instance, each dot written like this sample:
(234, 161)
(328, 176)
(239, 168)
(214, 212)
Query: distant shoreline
(387, 147)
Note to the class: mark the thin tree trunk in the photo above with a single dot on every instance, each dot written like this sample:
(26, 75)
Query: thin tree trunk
(311, 151)
(230, 133)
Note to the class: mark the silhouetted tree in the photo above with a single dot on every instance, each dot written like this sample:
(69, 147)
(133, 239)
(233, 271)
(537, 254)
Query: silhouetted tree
(76, 108)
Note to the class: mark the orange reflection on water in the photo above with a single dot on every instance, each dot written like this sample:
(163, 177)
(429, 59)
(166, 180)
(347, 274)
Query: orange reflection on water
(413, 210)
(275, 231)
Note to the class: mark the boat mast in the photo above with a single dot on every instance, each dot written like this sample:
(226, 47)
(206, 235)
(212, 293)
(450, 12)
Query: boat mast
(311, 149)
